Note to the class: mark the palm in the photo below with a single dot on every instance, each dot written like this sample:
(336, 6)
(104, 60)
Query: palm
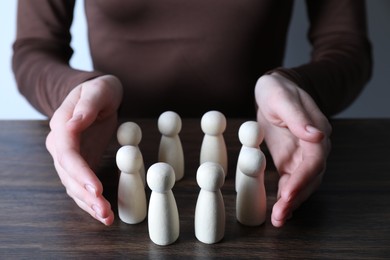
(285, 149)
(94, 140)
(290, 154)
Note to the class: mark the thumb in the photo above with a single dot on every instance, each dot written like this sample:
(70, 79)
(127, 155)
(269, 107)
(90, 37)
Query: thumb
(85, 111)
(95, 99)
(307, 132)
(299, 123)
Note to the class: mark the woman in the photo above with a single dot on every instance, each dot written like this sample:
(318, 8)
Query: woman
(191, 57)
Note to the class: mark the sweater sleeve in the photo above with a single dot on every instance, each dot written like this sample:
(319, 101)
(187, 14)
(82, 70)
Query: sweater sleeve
(42, 52)
(341, 59)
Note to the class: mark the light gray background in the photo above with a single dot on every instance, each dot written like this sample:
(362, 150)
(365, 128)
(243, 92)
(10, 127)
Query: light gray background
(373, 102)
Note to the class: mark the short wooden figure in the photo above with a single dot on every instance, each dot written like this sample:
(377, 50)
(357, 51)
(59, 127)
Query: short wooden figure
(251, 201)
(129, 133)
(213, 149)
(131, 192)
(163, 216)
(170, 149)
(210, 207)
(250, 135)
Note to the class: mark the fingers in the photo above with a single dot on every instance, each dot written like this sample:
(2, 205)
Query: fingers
(297, 186)
(84, 189)
(76, 168)
(280, 211)
(283, 210)
(97, 206)
(83, 186)
(80, 181)
(312, 164)
(94, 212)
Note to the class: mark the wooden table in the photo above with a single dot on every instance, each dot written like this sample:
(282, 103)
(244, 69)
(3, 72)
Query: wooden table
(348, 218)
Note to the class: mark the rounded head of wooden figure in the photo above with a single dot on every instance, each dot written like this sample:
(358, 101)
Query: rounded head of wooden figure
(210, 176)
(169, 123)
(213, 123)
(129, 159)
(250, 134)
(160, 177)
(251, 162)
(129, 133)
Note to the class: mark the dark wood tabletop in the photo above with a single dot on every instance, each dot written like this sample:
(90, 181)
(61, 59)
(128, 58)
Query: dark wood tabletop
(347, 218)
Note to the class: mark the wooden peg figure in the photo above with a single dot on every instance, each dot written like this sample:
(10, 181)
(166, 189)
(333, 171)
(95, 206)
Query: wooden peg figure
(251, 201)
(129, 133)
(210, 207)
(170, 149)
(213, 149)
(251, 136)
(131, 192)
(163, 216)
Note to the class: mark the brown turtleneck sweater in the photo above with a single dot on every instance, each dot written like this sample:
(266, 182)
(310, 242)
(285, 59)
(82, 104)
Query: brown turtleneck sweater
(191, 56)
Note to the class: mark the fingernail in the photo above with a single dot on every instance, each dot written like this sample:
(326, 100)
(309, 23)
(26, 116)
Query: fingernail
(76, 118)
(312, 129)
(91, 189)
(287, 196)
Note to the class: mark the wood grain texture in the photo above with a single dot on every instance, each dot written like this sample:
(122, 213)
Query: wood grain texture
(347, 218)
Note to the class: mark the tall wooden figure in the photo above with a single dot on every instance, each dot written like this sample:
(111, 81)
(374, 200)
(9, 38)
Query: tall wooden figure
(129, 133)
(170, 149)
(251, 201)
(131, 192)
(213, 147)
(250, 136)
(163, 216)
(210, 207)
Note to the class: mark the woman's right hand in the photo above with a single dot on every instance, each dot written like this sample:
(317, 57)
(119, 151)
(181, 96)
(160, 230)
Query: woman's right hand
(81, 129)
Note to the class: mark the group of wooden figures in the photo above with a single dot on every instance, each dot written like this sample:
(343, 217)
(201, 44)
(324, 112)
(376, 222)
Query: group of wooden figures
(163, 216)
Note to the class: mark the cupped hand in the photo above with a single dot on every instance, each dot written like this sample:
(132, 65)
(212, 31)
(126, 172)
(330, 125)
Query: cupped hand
(297, 136)
(81, 129)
